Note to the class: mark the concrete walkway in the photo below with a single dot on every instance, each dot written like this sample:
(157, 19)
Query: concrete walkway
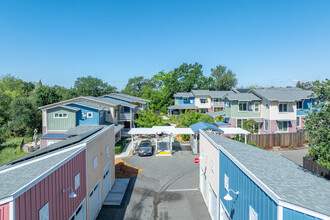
(126, 151)
(116, 195)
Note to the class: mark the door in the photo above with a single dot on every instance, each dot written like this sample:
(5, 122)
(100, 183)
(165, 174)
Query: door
(223, 213)
(106, 180)
(94, 201)
(80, 213)
(212, 203)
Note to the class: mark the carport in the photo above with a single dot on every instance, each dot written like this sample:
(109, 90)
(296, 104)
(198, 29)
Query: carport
(170, 131)
(234, 131)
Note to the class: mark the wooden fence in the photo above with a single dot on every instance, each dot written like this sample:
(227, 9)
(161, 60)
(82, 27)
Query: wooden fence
(278, 140)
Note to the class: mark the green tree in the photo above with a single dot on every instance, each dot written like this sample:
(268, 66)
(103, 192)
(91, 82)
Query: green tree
(147, 119)
(189, 118)
(46, 95)
(15, 87)
(251, 126)
(136, 85)
(224, 79)
(92, 86)
(317, 125)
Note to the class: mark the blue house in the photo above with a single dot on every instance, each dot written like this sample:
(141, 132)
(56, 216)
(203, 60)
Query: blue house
(239, 181)
(182, 101)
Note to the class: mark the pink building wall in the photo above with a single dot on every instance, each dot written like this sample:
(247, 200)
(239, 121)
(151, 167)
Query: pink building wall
(273, 127)
(4, 211)
(49, 190)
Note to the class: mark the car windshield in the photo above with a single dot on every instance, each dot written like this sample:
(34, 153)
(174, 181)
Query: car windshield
(145, 145)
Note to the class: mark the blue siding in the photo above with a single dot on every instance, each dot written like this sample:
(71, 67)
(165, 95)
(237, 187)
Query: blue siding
(289, 214)
(307, 106)
(249, 193)
(190, 101)
(86, 121)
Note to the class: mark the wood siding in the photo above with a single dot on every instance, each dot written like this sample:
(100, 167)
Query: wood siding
(49, 190)
(60, 124)
(4, 211)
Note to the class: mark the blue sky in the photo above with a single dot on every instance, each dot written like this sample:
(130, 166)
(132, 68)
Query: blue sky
(269, 43)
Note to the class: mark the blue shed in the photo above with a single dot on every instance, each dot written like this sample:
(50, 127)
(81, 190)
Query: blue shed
(257, 184)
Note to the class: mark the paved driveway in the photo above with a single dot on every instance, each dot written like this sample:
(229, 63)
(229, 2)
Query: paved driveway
(294, 155)
(167, 188)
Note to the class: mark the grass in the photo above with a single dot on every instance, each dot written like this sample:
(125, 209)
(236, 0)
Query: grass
(120, 145)
(10, 150)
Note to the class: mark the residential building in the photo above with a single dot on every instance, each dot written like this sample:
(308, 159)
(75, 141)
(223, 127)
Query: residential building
(279, 110)
(239, 181)
(204, 101)
(240, 107)
(66, 180)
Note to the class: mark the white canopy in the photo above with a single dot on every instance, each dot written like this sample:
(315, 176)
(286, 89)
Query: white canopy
(234, 131)
(161, 129)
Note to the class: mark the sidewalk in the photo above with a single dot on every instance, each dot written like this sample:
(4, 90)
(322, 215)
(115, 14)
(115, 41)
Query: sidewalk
(126, 151)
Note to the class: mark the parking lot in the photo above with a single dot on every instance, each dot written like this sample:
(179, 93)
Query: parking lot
(167, 188)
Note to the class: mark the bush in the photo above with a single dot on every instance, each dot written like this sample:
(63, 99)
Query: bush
(185, 137)
(120, 145)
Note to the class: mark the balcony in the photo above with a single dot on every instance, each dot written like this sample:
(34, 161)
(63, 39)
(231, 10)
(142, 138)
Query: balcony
(218, 104)
(125, 116)
(124, 132)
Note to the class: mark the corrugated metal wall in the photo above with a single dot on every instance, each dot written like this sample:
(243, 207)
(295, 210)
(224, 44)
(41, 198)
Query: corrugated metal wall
(249, 193)
(289, 214)
(4, 211)
(28, 204)
(60, 123)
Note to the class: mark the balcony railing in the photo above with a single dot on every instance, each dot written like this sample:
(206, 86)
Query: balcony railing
(218, 104)
(125, 116)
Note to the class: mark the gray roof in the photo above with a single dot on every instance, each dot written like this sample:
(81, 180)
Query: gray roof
(128, 98)
(184, 94)
(201, 92)
(64, 106)
(90, 104)
(15, 179)
(283, 94)
(289, 181)
(182, 107)
(112, 101)
(118, 127)
(82, 129)
(215, 114)
(212, 94)
(242, 97)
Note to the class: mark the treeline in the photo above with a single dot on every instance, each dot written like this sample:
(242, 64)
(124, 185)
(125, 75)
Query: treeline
(19, 101)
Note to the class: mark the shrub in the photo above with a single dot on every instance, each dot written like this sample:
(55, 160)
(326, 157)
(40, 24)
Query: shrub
(185, 137)
(120, 145)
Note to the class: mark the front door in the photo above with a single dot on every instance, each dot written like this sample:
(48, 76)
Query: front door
(106, 180)
(94, 201)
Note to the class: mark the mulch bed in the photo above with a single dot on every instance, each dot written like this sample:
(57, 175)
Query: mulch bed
(125, 170)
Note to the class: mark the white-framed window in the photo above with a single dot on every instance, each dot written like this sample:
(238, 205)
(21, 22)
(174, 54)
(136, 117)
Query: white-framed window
(253, 215)
(283, 126)
(283, 107)
(203, 110)
(77, 181)
(212, 165)
(108, 112)
(203, 100)
(298, 122)
(226, 183)
(266, 125)
(256, 107)
(242, 106)
(44, 212)
(216, 100)
(227, 104)
(60, 115)
(95, 162)
(185, 99)
(299, 104)
(89, 114)
(240, 123)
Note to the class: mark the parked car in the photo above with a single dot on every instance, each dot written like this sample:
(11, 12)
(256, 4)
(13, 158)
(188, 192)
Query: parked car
(145, 149)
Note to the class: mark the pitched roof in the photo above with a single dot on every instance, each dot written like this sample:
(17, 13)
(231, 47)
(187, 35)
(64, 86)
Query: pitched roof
(127, 98)
(242, 97)
(83, 129)
(54, 136)
(184, 94)
(89, 104)
(64, 106)
(289, 181)
(182, 107)
(203, 125)
(283, 94)
(112, 101)
(215, 114)
(212, 94)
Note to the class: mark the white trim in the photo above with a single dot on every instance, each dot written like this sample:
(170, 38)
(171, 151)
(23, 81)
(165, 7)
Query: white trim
(247, 106)
(266, 120)
(264, 187)
(279, 212)
(82, 205)
(299, 121)
(278, 127)
(287, 107)
(92, 115)
(100, 202)
(46, 173)
(98, 134)
(254, 107)
(59, 115)
(6, 200)
(12, 210)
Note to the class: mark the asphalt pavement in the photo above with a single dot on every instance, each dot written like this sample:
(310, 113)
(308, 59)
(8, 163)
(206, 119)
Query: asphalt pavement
(294, 155)
(167, 188)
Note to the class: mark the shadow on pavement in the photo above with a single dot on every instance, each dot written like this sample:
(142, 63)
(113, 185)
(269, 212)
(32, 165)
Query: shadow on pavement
(118, 212)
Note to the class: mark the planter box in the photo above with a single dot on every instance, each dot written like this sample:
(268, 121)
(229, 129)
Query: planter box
(310, 164)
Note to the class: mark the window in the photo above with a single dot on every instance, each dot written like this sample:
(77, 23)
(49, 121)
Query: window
(243, 106)
(44, 212)
(185, 99)
(212, 165)
(216, 100)
(95, 162)
(203, 110)
(203, 101)
(266, 125)
(253, 215)
(267, 105)
(256, 107)
(89, 114)
(283, 107)
(283, 126)
(226, 184)
(299, 105)
(76, 181)
(240, 123)
(60, 115)
(227, 104)
(108, 112)
(298, 122)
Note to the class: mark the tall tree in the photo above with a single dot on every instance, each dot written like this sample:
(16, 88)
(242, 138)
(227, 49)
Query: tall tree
(317, 125)
(136, 85)
(224, 79)
(92, 86)
(147, 119)
(46, 95)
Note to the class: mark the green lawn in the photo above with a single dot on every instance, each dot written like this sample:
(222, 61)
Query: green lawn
(10, 150)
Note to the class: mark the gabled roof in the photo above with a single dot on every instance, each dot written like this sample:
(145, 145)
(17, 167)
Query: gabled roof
(83, 129)
(127, 98)
(289, 181)
(113, 101)
(90, 104)
(282, 94)
(182, 107)
(247, 97)
(215, 114)
(184, 94)
(212, 94)
(63, 106)
(203, 125)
